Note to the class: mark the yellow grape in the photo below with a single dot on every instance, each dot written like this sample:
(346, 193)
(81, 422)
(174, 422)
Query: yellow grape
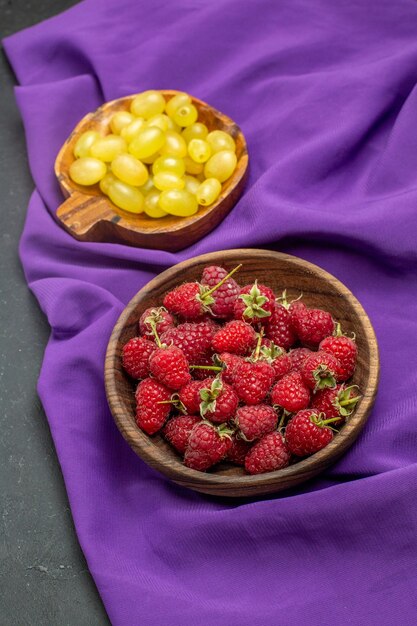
(151, 205)
(185, 115)
(87, 171)
(129, 170)
(166, 180)
(199, 150)
(120, 120)
(131, 130)
(191, 167)
(221, 165)
(148, 186)
(191, 184)
(219, 140)
(178, 202)
(148, 141)
(161, 121)
(195, 131)
(176, 101)
(169, 164)
(174, 145)
(106, 181)
(126, 197)
(84, 143)
(107, 148)
(147, 104)
(208, 191)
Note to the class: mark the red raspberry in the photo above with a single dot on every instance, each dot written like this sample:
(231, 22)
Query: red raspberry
(277, 357)
(338, 402)
(345, 350)
(290, 393)
(306, 433)
(278, 327)
(135, 356)
(185, 302)
(201, 374)
(236, 337)
(297, 358)
(238, 450)
(178, 429)
(225, 295)
(230, 362)
(320, 370)
(189, 395)
(193, 339)
(256, 421)
(267, 455)
(207, 445)
(160, 317)
(219, 401)
(254, 304)
(252, 381)
(152, 405)
(170, 367)
(310, 325)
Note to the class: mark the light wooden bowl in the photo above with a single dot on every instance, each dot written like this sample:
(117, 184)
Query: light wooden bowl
(279, 271)
(90, 216)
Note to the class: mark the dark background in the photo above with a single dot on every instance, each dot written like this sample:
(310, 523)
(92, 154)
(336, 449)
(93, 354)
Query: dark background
(44, 580)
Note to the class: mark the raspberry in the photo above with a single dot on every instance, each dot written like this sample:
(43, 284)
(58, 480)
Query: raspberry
(278, 327)
(135, 356)
(254, 303)
(338, 402)
(207, 445)
(236, 337)
(252, 381)
(276, 357)
(193, 339)
(290, 393)
(170, 367)
(306, 433)
(310, 325)
(152, 405)
(238, 450)
(184, 301)
(158, 316)
(297, 358)
(219, 401)
(199, 372)
(189, 395)
(267, 455)
(256, 421)
(225, 295)
(230, 362)
(320, 370)
(178, 429)
(345, 350)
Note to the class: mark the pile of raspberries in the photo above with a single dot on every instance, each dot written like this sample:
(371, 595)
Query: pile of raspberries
(237, 374)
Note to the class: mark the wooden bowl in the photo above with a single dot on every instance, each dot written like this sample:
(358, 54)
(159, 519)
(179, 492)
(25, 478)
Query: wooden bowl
(88, 215)
(279, 271)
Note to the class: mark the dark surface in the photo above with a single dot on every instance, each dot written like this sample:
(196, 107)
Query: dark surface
(44, 578)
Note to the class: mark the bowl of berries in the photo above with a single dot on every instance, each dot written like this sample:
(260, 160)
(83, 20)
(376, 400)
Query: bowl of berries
(242, 373)
(159, 169)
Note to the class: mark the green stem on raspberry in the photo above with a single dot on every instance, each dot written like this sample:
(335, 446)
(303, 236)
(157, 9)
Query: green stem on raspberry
(258, 345)
(282, 299)
(223, 280)
(215, 368)
(155, 333)
(350, 402)
(329, 421)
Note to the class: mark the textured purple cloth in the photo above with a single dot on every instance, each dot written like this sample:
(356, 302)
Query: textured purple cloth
(326, 94)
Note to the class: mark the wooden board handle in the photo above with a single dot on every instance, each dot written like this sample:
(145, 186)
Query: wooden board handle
(79, 213)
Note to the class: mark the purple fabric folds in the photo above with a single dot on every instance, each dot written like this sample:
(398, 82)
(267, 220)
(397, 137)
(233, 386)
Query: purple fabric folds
(326, 95)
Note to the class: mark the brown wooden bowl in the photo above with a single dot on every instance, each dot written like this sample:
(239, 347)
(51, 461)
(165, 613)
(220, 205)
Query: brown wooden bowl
(89, 215)
(279, 271)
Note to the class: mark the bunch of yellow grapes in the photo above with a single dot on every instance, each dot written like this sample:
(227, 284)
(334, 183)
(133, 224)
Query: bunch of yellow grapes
(157, 159)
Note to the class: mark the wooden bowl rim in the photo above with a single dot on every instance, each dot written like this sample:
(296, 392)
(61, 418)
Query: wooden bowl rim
(182, 223)
(158, 458)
